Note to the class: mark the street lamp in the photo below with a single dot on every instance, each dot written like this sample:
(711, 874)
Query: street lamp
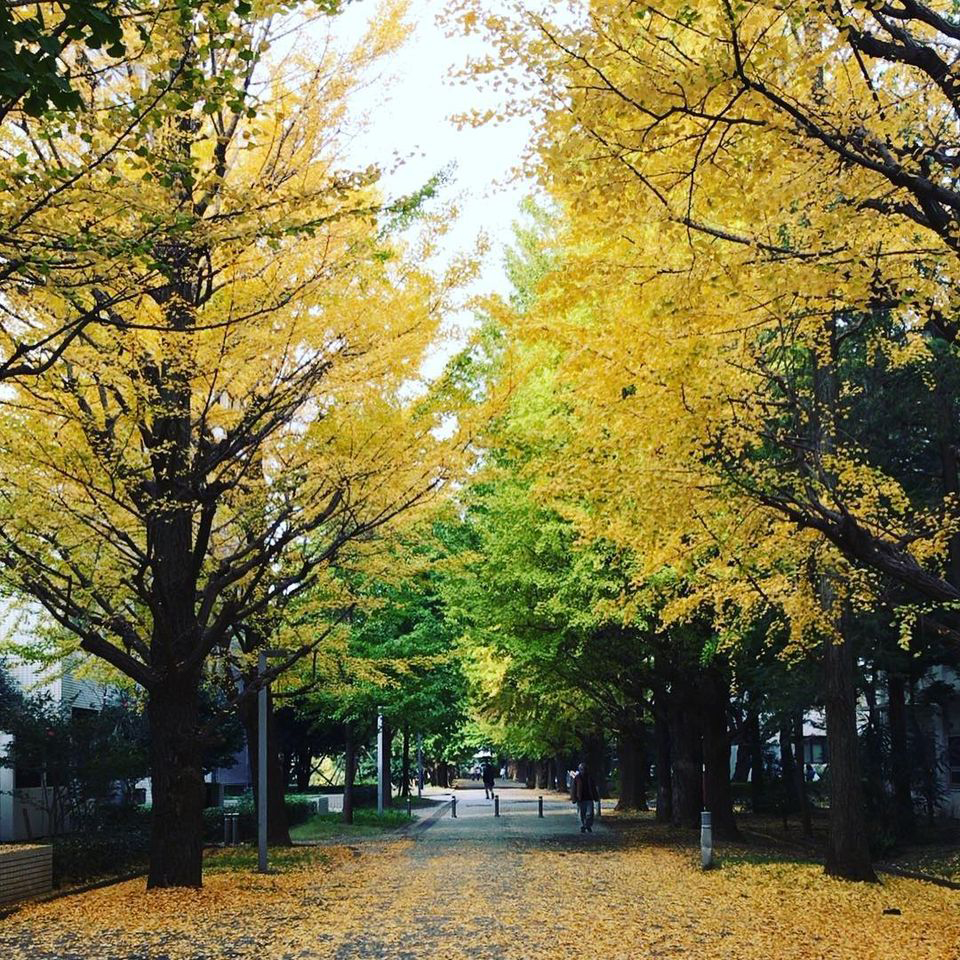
(380, 757)
(262, 755)
(419, 764)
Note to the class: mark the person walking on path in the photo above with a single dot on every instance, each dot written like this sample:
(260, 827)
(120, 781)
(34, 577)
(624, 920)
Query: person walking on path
(489, 778)
(583, 791)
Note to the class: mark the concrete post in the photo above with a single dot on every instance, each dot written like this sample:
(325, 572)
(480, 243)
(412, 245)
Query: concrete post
(706, 839)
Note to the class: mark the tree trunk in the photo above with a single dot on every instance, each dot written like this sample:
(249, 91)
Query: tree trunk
(349, 771)
(633, 781)
(788, 779)
(742, 767)
(541, 770)
(561, 772)
(801, 780)
(848, 852)
(756, 761)
(303, 768)
(661, 733)
(176, 776)
(531, 777)
(686, 755)
(405, 775)
(278, 830)
(899, 762)
(715, 697)
(596, 759)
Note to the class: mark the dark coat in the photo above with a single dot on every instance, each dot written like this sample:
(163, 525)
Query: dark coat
(584, 788)
(489, 775)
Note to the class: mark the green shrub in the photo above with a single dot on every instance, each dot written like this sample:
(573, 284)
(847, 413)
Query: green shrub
(102, 853)
(298, 811)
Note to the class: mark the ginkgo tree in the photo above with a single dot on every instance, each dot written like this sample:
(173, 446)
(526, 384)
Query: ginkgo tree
(251, 407)
(759, 229)
(759, 177)
(67, 117)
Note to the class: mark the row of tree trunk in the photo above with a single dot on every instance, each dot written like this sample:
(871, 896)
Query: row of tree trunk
(692, 741)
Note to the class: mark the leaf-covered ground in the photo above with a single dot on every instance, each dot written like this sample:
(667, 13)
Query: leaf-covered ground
(516, 888)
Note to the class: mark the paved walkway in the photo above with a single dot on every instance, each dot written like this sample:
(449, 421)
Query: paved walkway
(519, 816)
(471, 886)
(480, 887)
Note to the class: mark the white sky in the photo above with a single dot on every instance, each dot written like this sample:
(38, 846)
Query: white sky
(410, 113)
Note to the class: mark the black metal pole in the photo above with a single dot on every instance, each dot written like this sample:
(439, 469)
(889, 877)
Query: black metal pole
(496, 805)
(539, 806)
(453, 807)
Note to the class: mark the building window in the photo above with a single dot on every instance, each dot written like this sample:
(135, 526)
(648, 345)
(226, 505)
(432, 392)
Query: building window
(953, 760)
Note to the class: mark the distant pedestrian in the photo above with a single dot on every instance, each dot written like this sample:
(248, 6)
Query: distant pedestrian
(489, 779)
(811, 774)
(583, 791)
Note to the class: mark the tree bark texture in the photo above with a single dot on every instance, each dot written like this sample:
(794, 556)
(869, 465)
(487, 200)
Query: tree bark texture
(715, 695)
(633, 769)
(542, 771)
(899, 761)
(756, 761)
(661, 733)
(176, 822)
(686, 755)
(788, 778)
(848, 851)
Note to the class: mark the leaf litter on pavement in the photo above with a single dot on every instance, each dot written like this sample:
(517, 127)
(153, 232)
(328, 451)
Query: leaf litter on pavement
(410, 899)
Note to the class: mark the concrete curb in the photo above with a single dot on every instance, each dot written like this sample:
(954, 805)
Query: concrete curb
(424, 823)
(916, 875)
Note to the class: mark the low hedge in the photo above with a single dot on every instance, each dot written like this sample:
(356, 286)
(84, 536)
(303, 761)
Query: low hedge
(298, 811)
(99, 853)
(120, 843)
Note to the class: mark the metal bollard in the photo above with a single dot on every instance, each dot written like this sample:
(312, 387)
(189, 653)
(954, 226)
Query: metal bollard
(453, 807)
(409, 807)
(226, 829)
(599, 806)
(539, 806)
(235, 828)
(706, 839)
(496, 805)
